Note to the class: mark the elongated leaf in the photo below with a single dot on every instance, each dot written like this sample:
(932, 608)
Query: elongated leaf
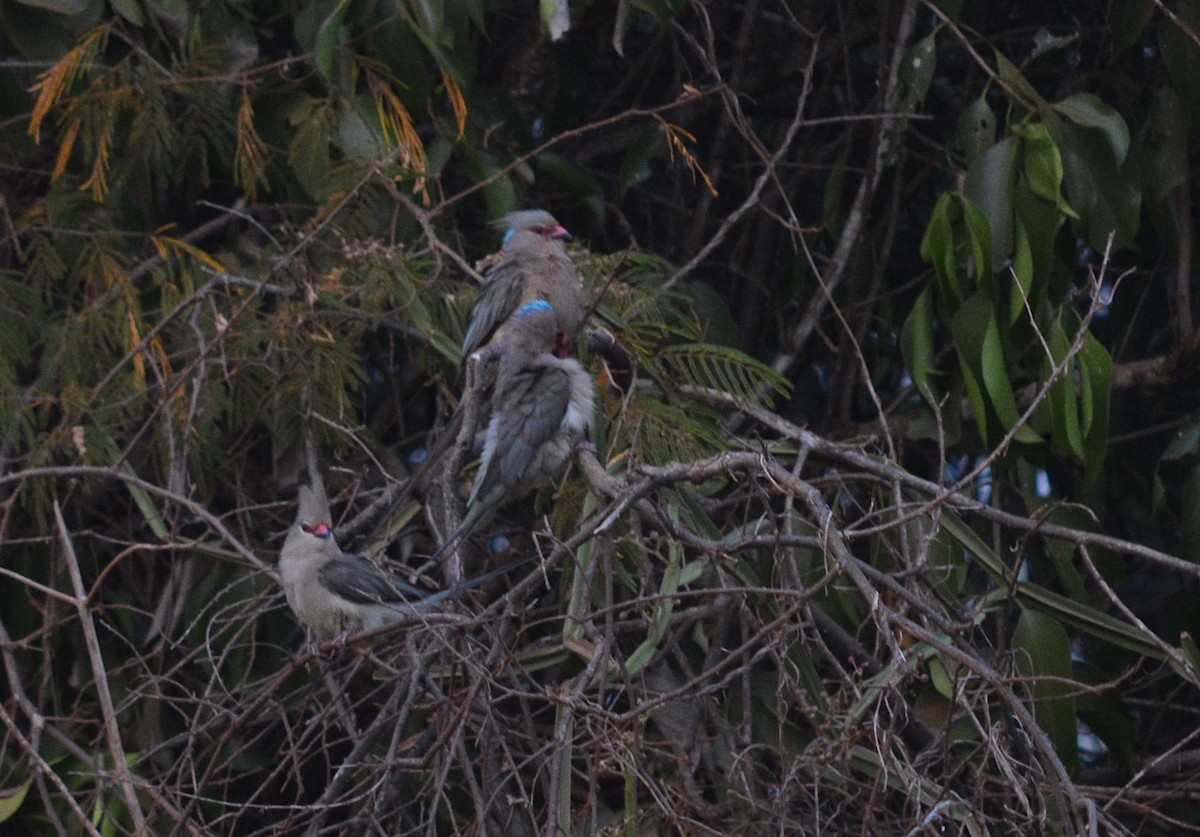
(1077, 615)
(1068, 430)
(1088, 110)
(1020, 299)
(938, 247)
(969, 326)
(11, 799)
(988, 189)
(1042, 166)
(1095, 370)
(916, 343)
(720, 367)
(575, 180)
(1044, 656)
(1099, 188)
(916, 72)
(331, 37)
(999, 385)
(638, 164)
(976, 131)
(673, 578)
(1015, 79)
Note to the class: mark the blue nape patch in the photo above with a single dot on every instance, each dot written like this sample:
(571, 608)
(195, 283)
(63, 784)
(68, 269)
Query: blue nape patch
(534, 306)
(508, 236)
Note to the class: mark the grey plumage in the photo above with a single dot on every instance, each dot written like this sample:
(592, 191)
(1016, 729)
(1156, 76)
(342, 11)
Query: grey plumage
(533, 265)
(333, 593)
(542, 409)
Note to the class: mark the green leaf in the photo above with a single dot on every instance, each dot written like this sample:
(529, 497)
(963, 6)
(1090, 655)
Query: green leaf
(979, 236)
(500, 193)
(999, 386)
(1182, 59)
(456, 59)
(309, 158)
(716, 323)
(1040, 223)
(357, 133)
(952, 9)
(976, 131)
(1020, 300)
(1190, 650)
(332, 35)
(1096, 383)
(937, 246)
(1190, 515)
(1077, 615)
(672, 579)
(1016, 80)
(981, 357)
(1068, 431)
(37, 34)
(131, 10)
(1044, 656)
(1127, 20)
(1042, 163)
(638, 164)
(940, 679)
(146, 506)
(575, 180)
(11, 799)
(989, 189)
(1100, 190)
(732, 371)
(916, 72)
(916, 344)
(1162, 146)
(1087, 110)
(62, 7)
(969, 325)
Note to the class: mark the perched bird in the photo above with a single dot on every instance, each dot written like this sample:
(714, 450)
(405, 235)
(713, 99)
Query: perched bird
(334, 593)
(533, 265)
(542, 409)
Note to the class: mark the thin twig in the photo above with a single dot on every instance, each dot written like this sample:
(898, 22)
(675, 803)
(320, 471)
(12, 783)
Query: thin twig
(112, 730)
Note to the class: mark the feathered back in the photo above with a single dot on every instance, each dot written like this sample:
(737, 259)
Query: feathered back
(530, 331)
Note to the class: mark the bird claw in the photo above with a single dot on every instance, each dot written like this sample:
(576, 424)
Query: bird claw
(328, 650)
(590, 447)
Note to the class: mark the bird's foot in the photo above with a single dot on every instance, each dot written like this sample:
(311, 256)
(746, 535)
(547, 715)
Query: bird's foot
(585, 446)
(340, 643)
(330, 649)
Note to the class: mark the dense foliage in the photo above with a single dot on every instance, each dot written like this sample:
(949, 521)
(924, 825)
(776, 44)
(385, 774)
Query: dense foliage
(893, 524)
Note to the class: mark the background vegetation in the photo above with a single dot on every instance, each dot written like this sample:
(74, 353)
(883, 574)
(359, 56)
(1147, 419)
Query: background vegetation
(895, 518)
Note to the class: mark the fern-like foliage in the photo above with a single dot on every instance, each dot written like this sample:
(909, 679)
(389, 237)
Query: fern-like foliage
(670, 416)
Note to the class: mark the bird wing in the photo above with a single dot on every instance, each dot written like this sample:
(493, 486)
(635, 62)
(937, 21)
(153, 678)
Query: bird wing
(535, 404)
(356, 579)
(498, 297)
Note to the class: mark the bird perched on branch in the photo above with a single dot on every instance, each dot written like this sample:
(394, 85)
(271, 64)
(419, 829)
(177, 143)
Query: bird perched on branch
(335, 594)
(533, 264)
(542, 409)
